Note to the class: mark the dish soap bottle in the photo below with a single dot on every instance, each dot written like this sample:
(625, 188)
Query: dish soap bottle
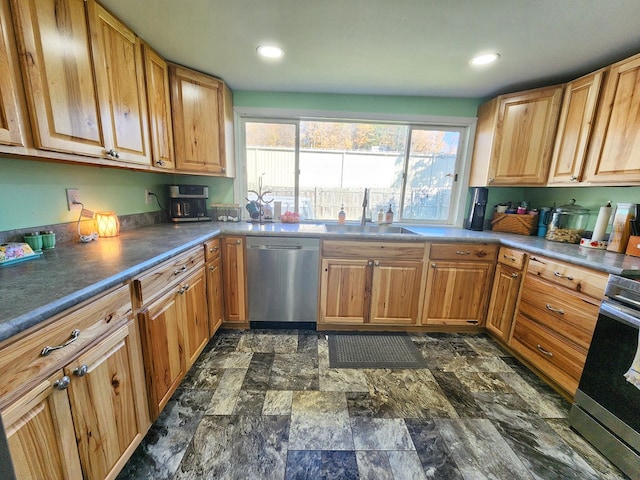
(341, 215)
(389, 216)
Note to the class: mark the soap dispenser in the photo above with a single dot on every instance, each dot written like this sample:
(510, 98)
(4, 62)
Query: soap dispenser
(341, 215)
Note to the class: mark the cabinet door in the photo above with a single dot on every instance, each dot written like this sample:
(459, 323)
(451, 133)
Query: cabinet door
(457, 293)
(108, 403)
(117, 56)
(10, 126)
(574, 129)
(55, 55)
(40, 433)
(504, 296)
(234, 279)
(214, 295)
(525, 133)
(395, 292)
(158, 100)
(198, 121)
(345, 291)
(613, 153)
(162, 346)
(195, 321)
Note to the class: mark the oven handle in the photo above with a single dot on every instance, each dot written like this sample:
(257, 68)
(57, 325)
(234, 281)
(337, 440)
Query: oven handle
(621, 313)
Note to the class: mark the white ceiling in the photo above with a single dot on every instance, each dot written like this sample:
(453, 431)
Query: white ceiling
(391, 47)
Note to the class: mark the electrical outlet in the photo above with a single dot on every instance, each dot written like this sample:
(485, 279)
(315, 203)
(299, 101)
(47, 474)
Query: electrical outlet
(73, 195)
(147, 196)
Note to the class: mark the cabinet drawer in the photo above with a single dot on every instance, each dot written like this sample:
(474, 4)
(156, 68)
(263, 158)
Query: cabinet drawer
(570, 315)
(463, 251)
(557, 358)
(512, 258)
(212, 249)
(584, 280)
(22, 361)
(373, 250)
(170, 272)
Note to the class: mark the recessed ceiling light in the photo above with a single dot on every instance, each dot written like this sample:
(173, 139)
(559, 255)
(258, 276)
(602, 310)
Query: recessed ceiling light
(485, 59)
(270, 51)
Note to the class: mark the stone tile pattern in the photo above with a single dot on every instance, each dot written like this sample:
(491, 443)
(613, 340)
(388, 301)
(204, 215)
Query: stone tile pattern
(264, 404)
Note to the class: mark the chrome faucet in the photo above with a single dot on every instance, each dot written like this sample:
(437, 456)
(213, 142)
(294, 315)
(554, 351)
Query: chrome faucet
(365, 204)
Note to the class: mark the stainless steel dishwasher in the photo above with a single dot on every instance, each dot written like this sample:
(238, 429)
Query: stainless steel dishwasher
(282, 279)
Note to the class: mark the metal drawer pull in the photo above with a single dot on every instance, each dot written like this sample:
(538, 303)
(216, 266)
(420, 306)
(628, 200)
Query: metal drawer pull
(62, 384)
(180, 270)
(559, 275)
(513, 259)
(81, 371)
(514, 275)
(212, 268)
(238, 242)
(213, 249)
(377, 263)
(544, 352)
(74, 336)
(554, 310)
(459, 252)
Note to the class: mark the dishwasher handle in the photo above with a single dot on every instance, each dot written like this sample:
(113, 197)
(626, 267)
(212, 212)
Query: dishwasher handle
(276, 247)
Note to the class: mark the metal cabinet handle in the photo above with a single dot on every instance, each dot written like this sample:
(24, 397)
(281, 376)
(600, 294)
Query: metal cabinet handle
(459, 252)
(377, 263)
(543, 351)
(213, 249)
(559, 275)
(62, 384)
(186, 287)
(433, 265)
(47, 350)
(81, 371)
(370, 262)
(514, 275)
(180, 270)
(491, 180)
(573, 178)
(224, 169)
(160, 162)
(212, 268)
(513, 259)
(554, 310)
(113, 153)
(238, 242)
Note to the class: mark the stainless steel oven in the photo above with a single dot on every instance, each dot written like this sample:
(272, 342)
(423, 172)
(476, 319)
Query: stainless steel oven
(607, 404)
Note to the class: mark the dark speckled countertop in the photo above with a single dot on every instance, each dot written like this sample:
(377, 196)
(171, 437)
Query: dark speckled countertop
(33, 291)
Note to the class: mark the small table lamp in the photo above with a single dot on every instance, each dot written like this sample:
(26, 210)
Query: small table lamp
(108, 224)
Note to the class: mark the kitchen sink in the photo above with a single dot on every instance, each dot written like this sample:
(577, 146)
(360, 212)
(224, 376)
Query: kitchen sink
(378, 229)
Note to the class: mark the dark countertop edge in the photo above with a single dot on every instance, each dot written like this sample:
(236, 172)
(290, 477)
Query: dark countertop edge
(440, 234)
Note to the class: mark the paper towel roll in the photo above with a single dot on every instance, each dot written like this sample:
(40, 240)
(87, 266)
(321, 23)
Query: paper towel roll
(601, 224)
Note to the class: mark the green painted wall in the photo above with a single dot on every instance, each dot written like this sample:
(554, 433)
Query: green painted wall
(32, 193)
(448, 107)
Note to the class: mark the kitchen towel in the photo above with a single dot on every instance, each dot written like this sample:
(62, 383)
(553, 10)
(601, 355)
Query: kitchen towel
(633, 374)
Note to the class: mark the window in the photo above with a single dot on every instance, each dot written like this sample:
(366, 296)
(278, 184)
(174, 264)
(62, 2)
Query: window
(316, 167)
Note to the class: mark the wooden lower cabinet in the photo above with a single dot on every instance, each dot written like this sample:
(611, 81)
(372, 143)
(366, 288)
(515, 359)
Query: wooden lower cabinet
(502, 306)
(86, 420)
(234, 281)
(195, 325)
(380, 289)
(214, 295)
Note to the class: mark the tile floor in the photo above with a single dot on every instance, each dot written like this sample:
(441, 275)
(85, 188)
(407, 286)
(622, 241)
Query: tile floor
(264, 404)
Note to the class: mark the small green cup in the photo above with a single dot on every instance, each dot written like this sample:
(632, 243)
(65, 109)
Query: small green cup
(34, 240)
(48, 240)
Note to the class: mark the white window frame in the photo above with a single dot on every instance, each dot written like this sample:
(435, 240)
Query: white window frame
(245, 115)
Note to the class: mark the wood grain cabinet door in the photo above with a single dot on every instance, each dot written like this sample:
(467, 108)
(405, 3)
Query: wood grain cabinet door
(10, 123)
(214, 295)
(234, 279)
(395, 292)
(613, 153)
(107, 399)
(40, 433)
(158, 101)
(525, 133)
(504, 297)
(198, 120)
(195, 321)
(117, 57)
(55, 55)
(345, 291)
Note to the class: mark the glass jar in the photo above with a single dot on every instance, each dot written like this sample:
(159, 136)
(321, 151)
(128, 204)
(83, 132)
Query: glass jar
(568, 223)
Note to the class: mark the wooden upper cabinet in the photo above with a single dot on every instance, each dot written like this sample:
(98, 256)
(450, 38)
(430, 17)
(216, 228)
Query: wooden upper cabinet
(159, 103)
(574, 129)
(613, 153)
(198, 120)
(514, 138)
(11, 129)
(119, 71)
(55, 54)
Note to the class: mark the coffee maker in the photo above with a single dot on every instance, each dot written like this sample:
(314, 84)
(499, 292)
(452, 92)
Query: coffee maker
(188, 203)
(479, 197)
